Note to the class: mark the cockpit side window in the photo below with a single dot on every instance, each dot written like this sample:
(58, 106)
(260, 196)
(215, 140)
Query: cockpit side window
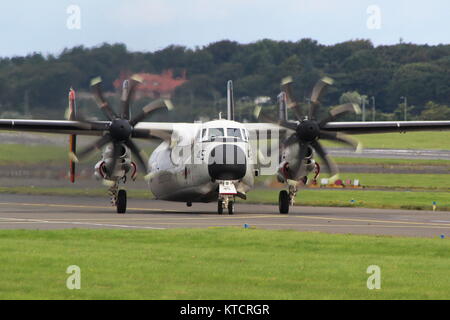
(215, 132)
(234, 132)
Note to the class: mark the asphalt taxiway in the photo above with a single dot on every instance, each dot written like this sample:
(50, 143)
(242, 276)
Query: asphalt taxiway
(56, 212)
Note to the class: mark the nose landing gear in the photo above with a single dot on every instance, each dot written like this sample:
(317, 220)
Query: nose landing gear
(227, 193)
(225, 203)
(286, 198)
(118, 198)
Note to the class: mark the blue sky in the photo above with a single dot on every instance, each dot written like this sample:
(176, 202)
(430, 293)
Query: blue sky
(41, 26)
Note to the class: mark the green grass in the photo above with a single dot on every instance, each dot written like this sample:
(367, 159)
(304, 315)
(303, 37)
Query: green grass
(438, 140)
(219, 263)
(18, 154)
(389, 181)
(24, 155)
(90, 192)
(401, 180)
(362, 198)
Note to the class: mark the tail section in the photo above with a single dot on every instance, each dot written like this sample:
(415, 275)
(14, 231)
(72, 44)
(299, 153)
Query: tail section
(230, 100)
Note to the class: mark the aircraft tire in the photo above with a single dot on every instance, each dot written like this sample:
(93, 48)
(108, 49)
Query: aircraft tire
(121, 203)
(283, 202)
(231, 208)
(220, 207)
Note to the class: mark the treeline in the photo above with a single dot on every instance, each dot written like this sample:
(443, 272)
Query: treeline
(38, 84)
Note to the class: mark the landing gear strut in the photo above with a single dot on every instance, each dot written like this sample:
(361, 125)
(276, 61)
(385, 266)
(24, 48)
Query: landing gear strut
(227, 192)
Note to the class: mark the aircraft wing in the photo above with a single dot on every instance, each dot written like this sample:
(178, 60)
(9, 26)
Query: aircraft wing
(143, 130)
(386, 126)
(359, 127)
(256, 128)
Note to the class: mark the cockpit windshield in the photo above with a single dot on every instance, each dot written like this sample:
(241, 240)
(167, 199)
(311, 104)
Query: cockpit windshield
(223, 134)
(234, 132)
(215, 132)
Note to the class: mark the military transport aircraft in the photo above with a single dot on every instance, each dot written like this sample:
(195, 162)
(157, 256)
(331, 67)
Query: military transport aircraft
(216, 160)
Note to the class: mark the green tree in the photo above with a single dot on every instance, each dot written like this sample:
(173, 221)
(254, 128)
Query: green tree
(435, 111)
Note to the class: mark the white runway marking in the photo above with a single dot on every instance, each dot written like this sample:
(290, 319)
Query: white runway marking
(80, 223)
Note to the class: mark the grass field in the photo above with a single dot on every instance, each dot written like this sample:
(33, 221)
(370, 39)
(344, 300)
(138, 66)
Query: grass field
(219, 263)
(19, 154)
(23, 154)
(438, 140)
(404, 180)
(386, 162)
(391, 181)
(365, 199)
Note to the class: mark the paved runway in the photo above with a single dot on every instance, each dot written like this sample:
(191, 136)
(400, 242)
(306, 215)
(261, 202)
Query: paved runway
(391, 153)
(52, 212)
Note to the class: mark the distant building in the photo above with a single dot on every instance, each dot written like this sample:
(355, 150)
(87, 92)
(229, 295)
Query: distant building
(155, 85)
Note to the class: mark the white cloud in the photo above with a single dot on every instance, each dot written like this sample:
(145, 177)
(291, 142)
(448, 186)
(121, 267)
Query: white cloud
(144, 13)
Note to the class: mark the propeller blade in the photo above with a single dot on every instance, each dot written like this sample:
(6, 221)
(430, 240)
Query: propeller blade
(117, 152)
(341, 138)
(128, 90)
(286, 86)
(100, 99)
(298, 112)
(266, 118)
(340, 110)
(303, 150)
(292, 139)
(318, 91)
(288, 125)
(329, 163)
(140, 155)
(149, 109)
(261, 116)
(87, 150)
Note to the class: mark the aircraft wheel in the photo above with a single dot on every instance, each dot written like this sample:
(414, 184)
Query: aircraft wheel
(283, 202)
(121, 203)
(230, 207)
(220, 207)
(189, 204)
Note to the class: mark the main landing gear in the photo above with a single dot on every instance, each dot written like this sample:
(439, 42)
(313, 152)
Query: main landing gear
(121, 203)
(283, 202)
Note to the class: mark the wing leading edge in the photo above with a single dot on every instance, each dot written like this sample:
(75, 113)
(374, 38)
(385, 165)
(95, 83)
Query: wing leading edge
(386, 126)
(161, 131)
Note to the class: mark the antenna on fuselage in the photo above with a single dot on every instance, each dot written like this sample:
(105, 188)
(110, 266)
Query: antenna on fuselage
(230, 100)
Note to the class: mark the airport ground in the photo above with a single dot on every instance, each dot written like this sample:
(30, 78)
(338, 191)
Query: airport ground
(161, 250)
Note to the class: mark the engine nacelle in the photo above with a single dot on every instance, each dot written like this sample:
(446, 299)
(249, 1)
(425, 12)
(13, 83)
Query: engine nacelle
(286, 173)
(104, 170)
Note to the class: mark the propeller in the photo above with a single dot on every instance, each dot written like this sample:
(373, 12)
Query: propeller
(120, 129)
(308, 130)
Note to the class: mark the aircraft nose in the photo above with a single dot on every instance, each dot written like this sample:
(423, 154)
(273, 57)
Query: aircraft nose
(227, 162)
